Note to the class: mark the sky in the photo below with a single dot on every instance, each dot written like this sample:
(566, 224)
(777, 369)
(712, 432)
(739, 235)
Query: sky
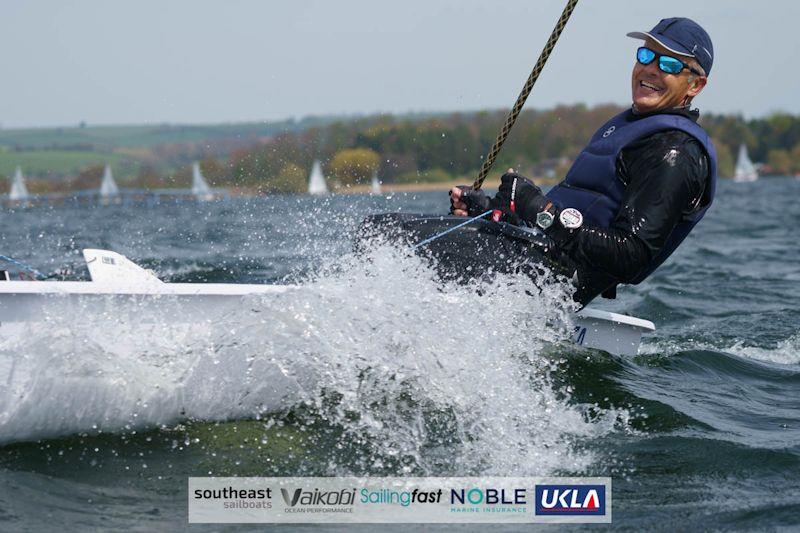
(198, 61)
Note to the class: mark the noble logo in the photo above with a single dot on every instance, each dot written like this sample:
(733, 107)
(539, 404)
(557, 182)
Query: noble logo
(570, 500)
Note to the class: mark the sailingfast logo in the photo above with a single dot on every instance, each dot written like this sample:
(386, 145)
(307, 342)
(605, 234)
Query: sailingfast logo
(566, 500)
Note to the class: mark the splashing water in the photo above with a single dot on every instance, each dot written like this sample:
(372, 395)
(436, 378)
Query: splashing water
(419, 376)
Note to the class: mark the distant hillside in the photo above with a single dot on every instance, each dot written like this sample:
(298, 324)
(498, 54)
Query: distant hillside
(163, 149)
(62, 153)
(108, 138)
(402, 149)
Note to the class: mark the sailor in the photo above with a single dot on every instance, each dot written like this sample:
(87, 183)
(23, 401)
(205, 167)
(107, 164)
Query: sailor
(644, 180)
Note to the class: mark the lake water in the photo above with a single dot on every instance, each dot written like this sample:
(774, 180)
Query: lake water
(700, 431)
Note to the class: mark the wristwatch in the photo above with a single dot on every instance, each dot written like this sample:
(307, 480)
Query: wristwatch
(570, 218)
(545, 218)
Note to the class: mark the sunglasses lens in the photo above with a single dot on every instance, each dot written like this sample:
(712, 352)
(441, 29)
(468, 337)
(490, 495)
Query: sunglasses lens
(645, 56)
(670, 64)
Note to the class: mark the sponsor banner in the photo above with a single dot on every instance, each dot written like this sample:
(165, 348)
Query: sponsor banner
(392, 500)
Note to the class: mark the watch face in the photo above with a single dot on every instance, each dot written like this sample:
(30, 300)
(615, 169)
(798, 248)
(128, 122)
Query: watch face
(571, 218)
(544, 219)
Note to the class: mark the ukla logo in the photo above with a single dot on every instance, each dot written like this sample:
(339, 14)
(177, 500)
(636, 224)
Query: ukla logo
(566, 500)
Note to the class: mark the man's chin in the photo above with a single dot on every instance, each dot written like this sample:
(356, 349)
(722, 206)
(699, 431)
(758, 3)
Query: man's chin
(644, 105)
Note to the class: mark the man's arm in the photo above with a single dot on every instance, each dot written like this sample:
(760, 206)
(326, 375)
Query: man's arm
(666, 174)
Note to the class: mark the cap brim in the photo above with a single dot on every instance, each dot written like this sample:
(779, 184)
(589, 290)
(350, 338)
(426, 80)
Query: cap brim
(666, 43)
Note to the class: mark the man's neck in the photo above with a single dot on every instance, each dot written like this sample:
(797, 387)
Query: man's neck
(679, 108)
(684, 110)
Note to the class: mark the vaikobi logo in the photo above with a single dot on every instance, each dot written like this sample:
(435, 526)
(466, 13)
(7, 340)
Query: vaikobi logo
(316, 500)
(570, 500)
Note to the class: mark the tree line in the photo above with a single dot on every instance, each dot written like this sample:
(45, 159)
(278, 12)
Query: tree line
(447, 147)
(440, 147)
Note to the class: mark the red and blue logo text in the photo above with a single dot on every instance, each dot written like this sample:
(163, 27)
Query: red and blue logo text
(570, 500)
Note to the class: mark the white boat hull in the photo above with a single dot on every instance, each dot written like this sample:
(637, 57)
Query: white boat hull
(126, 350)
(119, 286)
(188, 303)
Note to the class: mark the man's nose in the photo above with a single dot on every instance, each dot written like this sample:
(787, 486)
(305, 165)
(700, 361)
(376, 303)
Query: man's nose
(652, 69)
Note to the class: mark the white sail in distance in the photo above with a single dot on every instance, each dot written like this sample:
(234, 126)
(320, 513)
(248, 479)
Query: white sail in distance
(375, 184)
(316, 181)
(200, 188)
(745, 169)
(18, 189)
(108, 187)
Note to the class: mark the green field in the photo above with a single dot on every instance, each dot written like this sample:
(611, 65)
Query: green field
(110, 137)
(59, 152)
(58, 162)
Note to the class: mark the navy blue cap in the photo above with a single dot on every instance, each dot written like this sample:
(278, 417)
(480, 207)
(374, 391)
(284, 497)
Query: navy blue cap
(684, 37)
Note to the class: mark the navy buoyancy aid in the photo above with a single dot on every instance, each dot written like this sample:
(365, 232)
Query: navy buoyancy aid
(593, 187)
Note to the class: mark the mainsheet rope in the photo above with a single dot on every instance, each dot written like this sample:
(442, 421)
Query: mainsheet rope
(526, 90)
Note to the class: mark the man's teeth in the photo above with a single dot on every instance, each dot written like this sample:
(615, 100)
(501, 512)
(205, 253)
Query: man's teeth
(653, 87)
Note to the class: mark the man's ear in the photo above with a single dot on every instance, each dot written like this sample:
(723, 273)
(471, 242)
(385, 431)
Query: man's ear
(696, 86)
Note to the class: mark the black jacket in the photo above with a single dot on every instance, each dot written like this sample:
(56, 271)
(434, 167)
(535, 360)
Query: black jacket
(665, 175)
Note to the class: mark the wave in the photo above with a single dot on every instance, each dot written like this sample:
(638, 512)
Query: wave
(717, 395)
(783, 352)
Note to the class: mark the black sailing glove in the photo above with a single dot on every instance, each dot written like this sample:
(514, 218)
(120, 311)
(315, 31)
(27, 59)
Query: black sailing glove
(520, 196)
(477, 201)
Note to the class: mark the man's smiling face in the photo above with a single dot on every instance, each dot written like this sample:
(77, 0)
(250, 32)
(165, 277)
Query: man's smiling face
(655, 90)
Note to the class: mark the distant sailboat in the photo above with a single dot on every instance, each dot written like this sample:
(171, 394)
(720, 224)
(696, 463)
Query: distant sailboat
(316, 182)
(200, 188)
(108, 188)
(19, 192)
(375, 185)
(745, 169)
